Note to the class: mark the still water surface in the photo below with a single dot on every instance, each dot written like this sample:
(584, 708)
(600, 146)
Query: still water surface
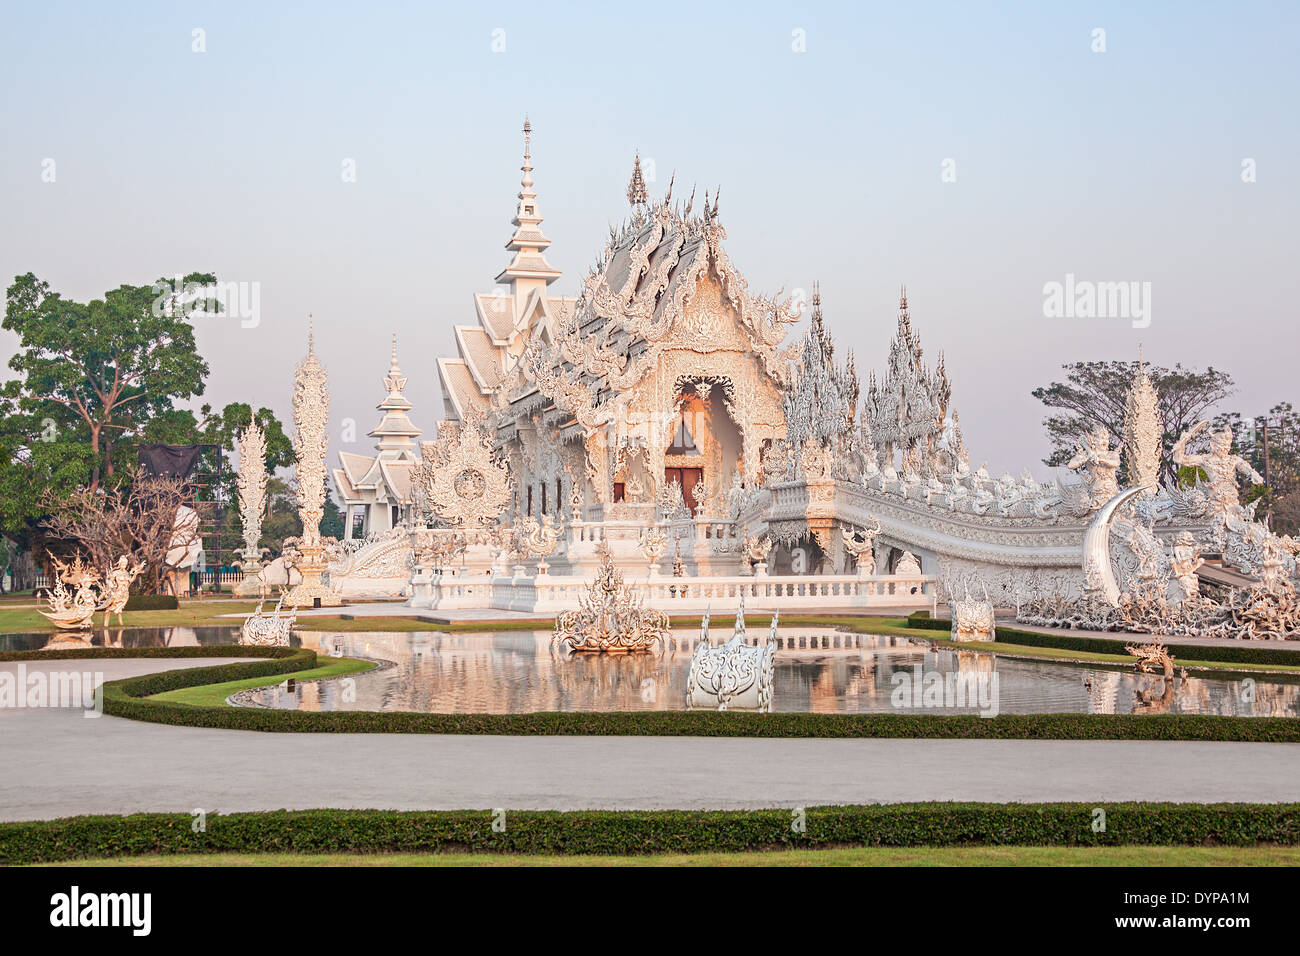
(817, 670)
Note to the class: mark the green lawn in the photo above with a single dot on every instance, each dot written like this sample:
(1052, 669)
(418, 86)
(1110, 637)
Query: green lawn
(214, 695)
(852, 856)
(191, 613)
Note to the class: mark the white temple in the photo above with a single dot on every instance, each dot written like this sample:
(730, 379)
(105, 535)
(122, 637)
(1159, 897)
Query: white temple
(661, 420)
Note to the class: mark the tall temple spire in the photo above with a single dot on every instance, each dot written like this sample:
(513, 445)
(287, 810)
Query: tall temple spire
(637, 194)
(395, 431)
(528, 270)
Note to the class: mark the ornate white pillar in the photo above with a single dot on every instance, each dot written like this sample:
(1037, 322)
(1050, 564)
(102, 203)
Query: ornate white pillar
(251, 483)
(311, 402)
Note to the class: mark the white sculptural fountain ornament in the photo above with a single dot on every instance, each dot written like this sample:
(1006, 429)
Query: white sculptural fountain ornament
(610, 618)
(261, 629)
(734, 675)
(77, 593)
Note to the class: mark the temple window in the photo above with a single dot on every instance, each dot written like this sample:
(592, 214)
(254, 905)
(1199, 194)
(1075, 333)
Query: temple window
(683, 442)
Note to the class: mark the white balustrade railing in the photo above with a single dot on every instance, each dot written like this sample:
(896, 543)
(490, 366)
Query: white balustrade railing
(545, 593)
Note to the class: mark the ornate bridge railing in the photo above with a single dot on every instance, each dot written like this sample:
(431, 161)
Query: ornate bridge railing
(548, 593)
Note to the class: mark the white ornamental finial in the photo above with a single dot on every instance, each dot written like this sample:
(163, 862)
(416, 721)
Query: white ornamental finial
(637, 194)
(527, 167)
(395, 381)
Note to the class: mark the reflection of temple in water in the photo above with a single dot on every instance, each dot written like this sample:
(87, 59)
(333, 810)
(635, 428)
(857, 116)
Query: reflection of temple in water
(122, 637)
(817, 670)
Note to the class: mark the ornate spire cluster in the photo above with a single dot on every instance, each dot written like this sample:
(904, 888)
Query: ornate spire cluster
(822, 401)
(909, 405)
(637, 194)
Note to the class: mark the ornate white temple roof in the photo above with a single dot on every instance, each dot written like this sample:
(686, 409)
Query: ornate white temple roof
(636, 302)
(507, 318)
(383, 476)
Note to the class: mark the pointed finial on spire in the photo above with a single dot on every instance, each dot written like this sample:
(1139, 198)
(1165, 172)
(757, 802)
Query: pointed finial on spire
(311, 335)
(527, 167)
(902, 298)
(394, 350)
(716, 193)
(636, 191)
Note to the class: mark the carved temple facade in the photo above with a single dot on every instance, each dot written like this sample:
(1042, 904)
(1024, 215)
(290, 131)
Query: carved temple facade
(662, 417)
(664, 379)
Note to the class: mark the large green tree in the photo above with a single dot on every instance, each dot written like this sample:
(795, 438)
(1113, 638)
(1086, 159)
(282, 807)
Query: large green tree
(1094, 394)
(100, 372)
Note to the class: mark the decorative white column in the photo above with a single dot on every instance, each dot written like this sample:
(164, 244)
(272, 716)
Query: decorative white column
(311, 402)
(251, 483)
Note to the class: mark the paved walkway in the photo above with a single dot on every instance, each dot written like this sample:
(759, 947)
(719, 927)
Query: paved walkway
(58, 763)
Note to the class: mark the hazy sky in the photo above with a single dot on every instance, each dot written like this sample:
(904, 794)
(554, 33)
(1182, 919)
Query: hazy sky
(1123, 165)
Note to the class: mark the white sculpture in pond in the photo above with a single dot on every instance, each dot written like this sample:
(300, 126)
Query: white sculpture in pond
(734, 675)
(268, 630)
(972, 619)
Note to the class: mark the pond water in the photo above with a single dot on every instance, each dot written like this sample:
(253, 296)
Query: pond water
(816, 670)
(123, 637)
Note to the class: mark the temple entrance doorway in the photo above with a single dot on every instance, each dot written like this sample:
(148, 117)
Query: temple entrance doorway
(705, 446)
(687, 478)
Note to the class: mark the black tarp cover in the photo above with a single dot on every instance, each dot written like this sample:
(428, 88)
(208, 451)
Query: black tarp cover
(175, 460)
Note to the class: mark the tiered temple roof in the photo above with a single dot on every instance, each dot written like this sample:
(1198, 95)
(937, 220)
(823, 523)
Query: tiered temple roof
(383, 478)
(639, 298)
(506, 319)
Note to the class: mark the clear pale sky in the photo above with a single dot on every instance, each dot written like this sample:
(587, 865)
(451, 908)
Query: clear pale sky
(1122, 165)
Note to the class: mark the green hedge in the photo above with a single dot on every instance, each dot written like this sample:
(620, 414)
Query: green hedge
(664, 831)
(202, 650)
(124, 699)
(152, 602)
(1246, 652)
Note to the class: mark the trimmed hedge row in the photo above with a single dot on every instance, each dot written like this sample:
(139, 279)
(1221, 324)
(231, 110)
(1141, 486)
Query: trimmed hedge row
(124, 699)
(644, 832)
(203, 650)
(1245, 653)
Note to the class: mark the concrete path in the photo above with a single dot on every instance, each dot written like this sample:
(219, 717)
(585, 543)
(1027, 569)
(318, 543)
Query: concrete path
(58, 763)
